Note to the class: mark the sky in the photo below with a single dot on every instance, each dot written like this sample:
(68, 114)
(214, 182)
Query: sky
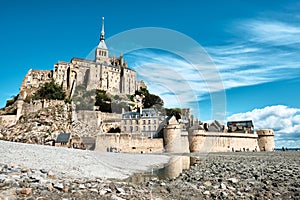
(226, 60)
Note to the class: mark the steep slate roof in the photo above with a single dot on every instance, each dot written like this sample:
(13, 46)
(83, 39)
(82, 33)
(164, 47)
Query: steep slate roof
(63, 138)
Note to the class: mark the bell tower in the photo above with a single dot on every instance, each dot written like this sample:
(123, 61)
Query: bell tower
(101, 53)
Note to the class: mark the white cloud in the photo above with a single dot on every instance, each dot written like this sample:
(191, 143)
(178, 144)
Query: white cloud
(263, 51)
(284, 120)
(272, 31)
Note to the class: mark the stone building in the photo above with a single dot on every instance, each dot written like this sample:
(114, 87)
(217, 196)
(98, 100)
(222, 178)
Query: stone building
(33, 80)
(145, 122)
(108, 73)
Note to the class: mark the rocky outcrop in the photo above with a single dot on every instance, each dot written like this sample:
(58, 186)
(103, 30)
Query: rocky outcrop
(40, 126)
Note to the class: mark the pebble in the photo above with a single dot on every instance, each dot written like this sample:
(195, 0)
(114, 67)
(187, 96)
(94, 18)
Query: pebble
(218, 176)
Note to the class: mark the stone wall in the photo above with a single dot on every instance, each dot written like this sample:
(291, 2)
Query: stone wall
(38, 105)
(92, 123)
(201, 141)
(7, 120)
(65, 75)
(128, 143)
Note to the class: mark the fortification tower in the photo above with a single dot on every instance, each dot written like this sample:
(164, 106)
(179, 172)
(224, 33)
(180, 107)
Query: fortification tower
(266, 139)
(172, 135)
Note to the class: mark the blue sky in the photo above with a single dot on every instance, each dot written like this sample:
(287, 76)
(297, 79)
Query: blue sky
(254, 46)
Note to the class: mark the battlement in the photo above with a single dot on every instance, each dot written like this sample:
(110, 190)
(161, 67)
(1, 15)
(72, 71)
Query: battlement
(265, 132)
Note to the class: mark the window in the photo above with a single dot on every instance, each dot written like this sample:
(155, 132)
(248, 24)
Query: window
(131, 122)
(136, 128)
(124, 121)
(149, 128)
(155, 128)
(144, 128)
(149, 121)
(124, 128)
(154, 121)
(144, 121)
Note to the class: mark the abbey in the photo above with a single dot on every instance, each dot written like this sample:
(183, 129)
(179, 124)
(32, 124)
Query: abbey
(105, 72)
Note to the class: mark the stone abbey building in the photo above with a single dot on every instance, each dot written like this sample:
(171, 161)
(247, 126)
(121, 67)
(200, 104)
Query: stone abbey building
(108, 73)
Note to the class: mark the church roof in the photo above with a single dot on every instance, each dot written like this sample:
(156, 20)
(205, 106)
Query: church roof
(102, 45)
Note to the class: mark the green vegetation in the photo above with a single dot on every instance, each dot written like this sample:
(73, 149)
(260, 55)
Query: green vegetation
(50, 90)
(84, 100)
(173, 111)
(103, 101)
(11, 101)
(150, 100)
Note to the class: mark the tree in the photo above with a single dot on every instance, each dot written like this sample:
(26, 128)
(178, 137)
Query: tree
(103, 101)
(50, 90)
(150, 100)
(173, 111)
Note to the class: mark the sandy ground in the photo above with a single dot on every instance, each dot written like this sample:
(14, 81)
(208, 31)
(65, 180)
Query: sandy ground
(75, 163)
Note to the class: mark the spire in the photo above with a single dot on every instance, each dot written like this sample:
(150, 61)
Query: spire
(102, 31)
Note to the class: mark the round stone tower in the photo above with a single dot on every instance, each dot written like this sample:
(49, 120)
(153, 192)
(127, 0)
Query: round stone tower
(266, 139)
(196, 140)
(172, 135)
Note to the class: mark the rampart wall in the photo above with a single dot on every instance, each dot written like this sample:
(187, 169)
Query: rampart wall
(201, 141)
(128, 143)
(37, 105)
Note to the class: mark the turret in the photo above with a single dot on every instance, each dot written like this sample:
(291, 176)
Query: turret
(172, 136)
(266, 139)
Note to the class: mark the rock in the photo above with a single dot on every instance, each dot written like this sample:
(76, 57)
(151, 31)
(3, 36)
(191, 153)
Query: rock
(50, 173)
(58, 186)
(93, 190)
(112, 186)
(222, 186)
(162, 184)
(88, 185)
(26, 191)
(232, 180)
(202, 187)
(108, 190)
(102, 192)
(206, 192)
(50, 187)
(207, 184)
(224, 194)
(81, 186)
(192, 186)
(120, 190)
(115, 197)
(277, 194)
(230, 188)
(44, 171)
(25, 170)
(65, 188)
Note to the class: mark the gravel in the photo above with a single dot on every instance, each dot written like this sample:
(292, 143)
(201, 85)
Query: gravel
(39, 172)
(75, 163)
